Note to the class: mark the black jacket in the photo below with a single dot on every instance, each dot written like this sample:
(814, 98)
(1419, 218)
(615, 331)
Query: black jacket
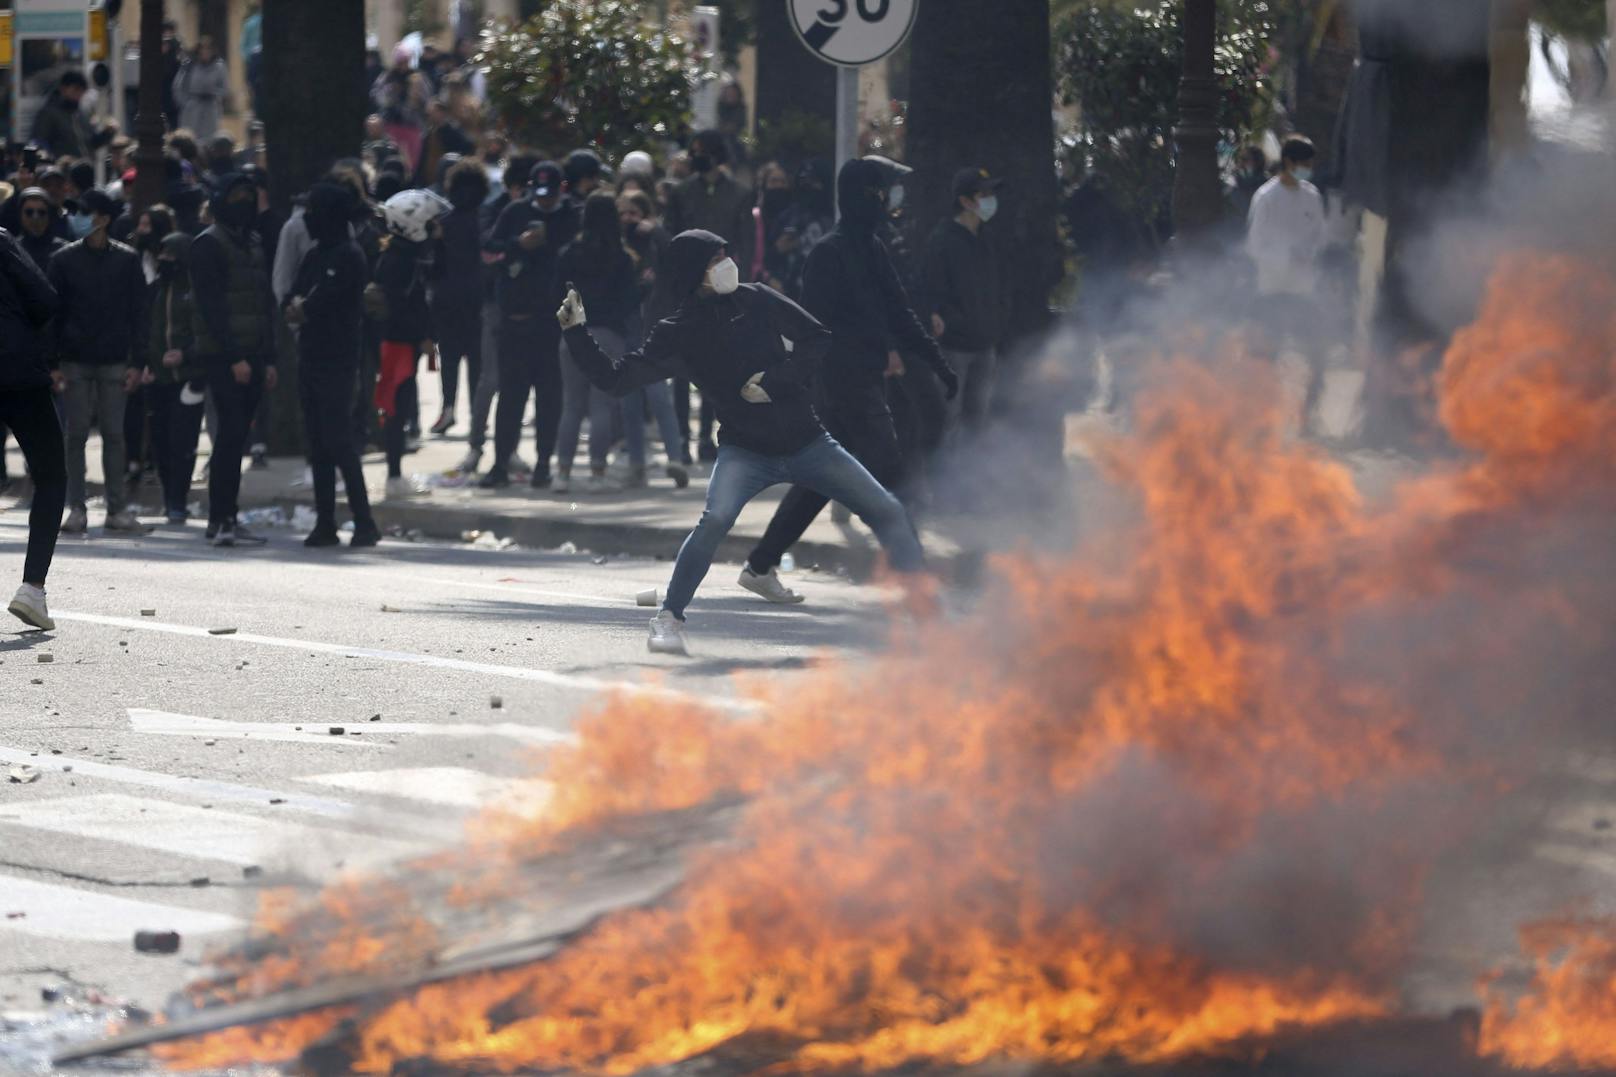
(43, 249)
(527, 277)
(402, 273)
(103, 299)
(719, 342)
(331, 282)
(716, 203)
(65, 129)
(961, 286)
(27, 302)
(609, 285)
(457, 281)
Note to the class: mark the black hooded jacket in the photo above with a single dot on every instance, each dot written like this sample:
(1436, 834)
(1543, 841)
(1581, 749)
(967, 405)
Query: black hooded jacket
(527, 277)
(235, 304)
(849, 284)
(27, 302)
(719, 342)
(331, 282)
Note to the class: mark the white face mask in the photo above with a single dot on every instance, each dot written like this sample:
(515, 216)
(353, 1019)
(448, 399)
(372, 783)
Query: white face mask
(1303, 175)
(895, 198)
(724, 277)
(987, 206)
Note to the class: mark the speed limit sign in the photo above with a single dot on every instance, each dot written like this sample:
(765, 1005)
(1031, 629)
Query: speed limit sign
(852, 32)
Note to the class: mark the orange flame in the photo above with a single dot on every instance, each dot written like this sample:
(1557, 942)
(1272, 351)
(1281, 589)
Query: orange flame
(933, 863)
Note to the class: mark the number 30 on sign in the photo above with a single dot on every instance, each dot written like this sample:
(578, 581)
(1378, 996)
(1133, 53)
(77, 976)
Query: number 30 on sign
(852, 32)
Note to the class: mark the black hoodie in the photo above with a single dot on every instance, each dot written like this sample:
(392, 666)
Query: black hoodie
(719, 342)
(331, 281)
(235, 305)
(850, 285)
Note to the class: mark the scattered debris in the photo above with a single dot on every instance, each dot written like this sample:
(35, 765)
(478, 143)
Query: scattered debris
(36, 680)
(157, 942)
(598, 559)
(23, 774)
(201, 881)
(390, 609)
(251, 871)
(221, 631)
(277, 800)
(647, 598)
(496, 702)
(375, 718)
(148, 613)
(45, 656)
(336, 731)
(567, 547)
(18, 916)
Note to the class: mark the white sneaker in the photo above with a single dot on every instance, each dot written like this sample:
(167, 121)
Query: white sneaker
(602, 484)
(77, 522)
(470, 462)
(561, 484)
(667, 635)
(402, 488)
(768, 587)
(29, 606)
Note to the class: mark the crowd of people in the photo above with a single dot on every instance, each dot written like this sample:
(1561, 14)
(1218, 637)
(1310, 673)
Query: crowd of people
(823, 352)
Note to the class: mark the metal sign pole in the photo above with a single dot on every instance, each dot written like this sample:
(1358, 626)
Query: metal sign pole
(847, 115)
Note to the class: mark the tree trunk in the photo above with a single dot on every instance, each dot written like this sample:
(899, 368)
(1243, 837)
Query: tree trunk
(150, 178)
(790, 79)
(315, 103)
(981, 96)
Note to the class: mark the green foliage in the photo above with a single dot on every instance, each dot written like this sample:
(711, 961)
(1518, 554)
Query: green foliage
(1121, 63)
(1580, 20)
(588, 72)
(796, 137)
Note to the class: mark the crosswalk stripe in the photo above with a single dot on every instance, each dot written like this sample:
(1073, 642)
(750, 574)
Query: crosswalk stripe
(453, 786)
(203, 834)
(163, 723)
(50, 911)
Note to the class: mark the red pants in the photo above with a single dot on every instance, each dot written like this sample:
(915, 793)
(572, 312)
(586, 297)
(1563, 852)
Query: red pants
(397, 367)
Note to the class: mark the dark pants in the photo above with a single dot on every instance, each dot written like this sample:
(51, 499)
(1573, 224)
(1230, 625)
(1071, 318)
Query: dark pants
(175, 429)
(460, 336)
(529, 360)
(681, 411)
(326, 393)
(920, 416)
(31, 416)
(364, 406)
(864, 429)
(236, 405)
(138, 450)
(396, 433)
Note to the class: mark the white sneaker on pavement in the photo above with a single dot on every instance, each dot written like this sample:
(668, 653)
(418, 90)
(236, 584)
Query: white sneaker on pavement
(470, 462)
(29, 607)
(402, 488)
(561, 483)
(768, 587)
(77, 522)
(667, 635)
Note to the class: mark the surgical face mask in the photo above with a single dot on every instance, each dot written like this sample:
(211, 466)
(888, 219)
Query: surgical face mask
(80, 224)
(895, 198)
(724, 277)
(987, 206)
(1303, 174)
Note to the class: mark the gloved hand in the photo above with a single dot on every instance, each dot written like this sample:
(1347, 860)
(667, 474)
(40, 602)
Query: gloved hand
(950, 380)
(752, 392)
(571, 313)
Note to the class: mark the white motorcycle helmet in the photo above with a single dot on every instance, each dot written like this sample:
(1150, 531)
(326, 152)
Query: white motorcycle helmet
(410, 213)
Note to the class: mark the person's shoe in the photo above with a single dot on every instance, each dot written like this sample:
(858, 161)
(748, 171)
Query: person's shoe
(364, 535)
(77, 522)
(124, 521)
(5, 483)
(178, 516)
(633, 479)
(541, 480)
(602, 484)
(679, 474)
(561, 484)
(518, 466)
(496, 479)
(840, 514)
(470, 462)
(323, 535)
(768, 587)
(212, 532)
(403, 488)
(222, 534)
(260, 458)
(412, 443)
(667, 635)
(29, 607)
(247, 538)
(444, 424)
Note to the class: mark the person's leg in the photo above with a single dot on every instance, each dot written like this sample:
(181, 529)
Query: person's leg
(31, 415)
(602, 408)
(633, 411)
(976, 391)
(829, 469)
(185, 434)
(659, 399)
(162, 399)
(738, 476)
(451, 348)
(515, 382)
(134, 428)
(78, 398)
(404, 404)
(233, 403)
(344, 457)
(574, 404)
(487, 383)
(5, 475)
(796, 511)
(681, 411)
(314, 391)
(707, 448)
(547, 395)
(109, 412)
(472, 346)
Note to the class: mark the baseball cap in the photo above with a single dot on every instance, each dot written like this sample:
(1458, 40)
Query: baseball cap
(547, 179)
(97, 201)
(969, 182)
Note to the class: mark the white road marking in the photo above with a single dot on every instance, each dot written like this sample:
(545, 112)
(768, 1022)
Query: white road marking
(65, 912)
(454, 786)
(163, 723)
(520, 673)
(200, 834)
(520, 589)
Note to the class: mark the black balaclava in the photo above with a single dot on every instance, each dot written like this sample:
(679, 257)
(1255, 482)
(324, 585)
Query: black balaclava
(328, 212)
(237, 215)
(684, 266)
(861, 197)
(173, 257)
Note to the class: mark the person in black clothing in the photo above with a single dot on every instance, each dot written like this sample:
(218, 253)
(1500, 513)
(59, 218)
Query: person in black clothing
(176, 381)
(457, 287)
(727, 338)
(600, 267)
(33, 208)
(961, 293)
(528, 236)
(849, 285)
(235, 341)
(326, 305)
(407, 331)
(28, 409)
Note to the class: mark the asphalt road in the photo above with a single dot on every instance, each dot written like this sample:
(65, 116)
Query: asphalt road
(169, 755)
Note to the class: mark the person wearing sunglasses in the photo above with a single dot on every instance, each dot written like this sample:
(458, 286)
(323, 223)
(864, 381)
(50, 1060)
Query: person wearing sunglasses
(38, 239)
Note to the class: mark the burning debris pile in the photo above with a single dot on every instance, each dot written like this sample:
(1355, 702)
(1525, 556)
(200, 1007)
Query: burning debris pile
(1167, 797)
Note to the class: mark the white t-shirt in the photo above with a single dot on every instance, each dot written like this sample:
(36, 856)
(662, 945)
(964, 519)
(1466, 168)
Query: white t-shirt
(1284, 234)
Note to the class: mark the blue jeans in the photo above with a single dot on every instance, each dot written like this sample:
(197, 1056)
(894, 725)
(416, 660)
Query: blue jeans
(823, 466)
(658, 398)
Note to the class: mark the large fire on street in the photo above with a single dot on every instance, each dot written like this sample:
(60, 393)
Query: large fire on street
(1167, 796)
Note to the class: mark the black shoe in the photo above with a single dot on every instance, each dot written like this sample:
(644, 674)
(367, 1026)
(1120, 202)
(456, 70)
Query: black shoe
(322, 535)
(259, 460)
(364, 535)
(212, 532)
(495, 479)
(443, 425)
(540, 480)
(247, 538)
